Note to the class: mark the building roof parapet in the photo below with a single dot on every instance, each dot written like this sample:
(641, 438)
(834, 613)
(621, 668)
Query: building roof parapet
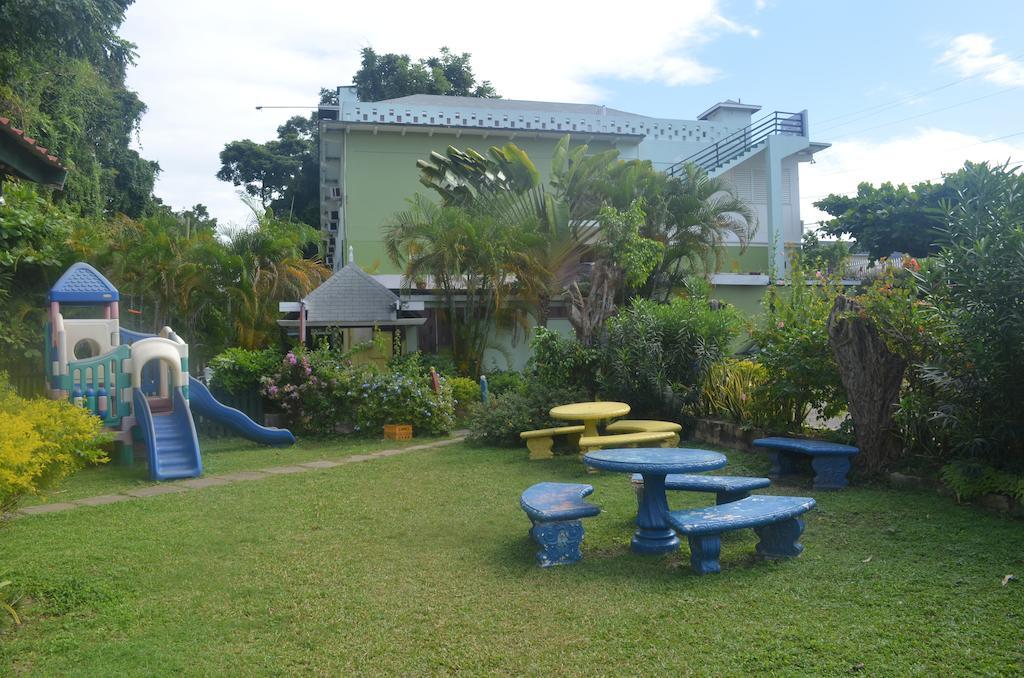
(434, 111)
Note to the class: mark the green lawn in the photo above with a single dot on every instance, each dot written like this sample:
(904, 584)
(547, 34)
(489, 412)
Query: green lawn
(225, 455)
(420, 563)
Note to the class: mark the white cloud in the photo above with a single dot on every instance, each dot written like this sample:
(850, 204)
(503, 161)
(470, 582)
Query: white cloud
(204, 66)
(924, 155)
(973, 54)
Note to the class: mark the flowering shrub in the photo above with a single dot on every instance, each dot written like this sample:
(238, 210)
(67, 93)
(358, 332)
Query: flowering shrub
(306, 399)
(41, 442)
(322, 392)
(397, 398)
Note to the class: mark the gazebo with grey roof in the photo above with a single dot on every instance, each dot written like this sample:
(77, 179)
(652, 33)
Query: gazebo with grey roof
(350, 298)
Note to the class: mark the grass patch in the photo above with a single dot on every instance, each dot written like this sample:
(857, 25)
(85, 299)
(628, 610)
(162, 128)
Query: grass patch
(420, 563)
(224, 455)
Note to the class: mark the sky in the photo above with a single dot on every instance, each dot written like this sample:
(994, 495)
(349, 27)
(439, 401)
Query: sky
(903, 90)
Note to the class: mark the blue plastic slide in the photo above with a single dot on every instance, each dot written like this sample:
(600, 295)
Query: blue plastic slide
(170, 438)
(204, 404)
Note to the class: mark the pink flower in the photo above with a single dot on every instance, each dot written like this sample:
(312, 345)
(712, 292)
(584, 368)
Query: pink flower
(272, 390)
(780, 324)
(309, 370)
(291, 358)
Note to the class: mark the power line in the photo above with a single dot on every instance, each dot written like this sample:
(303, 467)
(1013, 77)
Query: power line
(933, 111)
(988, 141)
(955, 148)
(891, 104)
(886, 105)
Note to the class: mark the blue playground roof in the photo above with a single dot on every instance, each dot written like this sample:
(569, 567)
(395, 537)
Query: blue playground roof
(83, 284)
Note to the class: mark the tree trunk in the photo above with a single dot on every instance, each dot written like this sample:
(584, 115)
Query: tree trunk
(588, 313)
(872, 375)
(543, 309)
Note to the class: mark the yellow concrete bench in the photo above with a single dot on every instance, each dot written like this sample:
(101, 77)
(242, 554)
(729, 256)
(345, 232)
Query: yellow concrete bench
(646, 426)
(588, 443)
(540, 441)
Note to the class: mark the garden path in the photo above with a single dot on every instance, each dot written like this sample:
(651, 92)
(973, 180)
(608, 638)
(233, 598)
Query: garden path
(224, 479)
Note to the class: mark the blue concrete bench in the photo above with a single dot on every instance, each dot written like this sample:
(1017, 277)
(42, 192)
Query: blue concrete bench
(773, 518)
(831, 461)
(726, 488)
(555, 510)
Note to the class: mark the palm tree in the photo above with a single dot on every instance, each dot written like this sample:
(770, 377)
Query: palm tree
(472, 258)
(692, 214)
(556, 222)
(166, 266)
(265, 265)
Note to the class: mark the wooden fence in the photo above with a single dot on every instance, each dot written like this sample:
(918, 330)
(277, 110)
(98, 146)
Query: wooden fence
(28, 377)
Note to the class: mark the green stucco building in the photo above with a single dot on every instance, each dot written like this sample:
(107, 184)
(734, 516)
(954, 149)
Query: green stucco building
(369, 152)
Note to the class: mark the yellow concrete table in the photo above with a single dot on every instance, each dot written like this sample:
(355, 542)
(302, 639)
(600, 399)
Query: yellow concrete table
(590, 413)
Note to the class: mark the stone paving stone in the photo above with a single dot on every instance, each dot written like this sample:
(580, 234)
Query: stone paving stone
(241, 475)
(280, 470)
(390, 453)
(102, 499)
(357, 457)
(450, 441)
(200, 483)
(46, 508)
(323, 463)
(154, 490)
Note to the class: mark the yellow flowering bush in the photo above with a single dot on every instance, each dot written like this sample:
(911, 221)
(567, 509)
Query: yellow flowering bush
(41, 442)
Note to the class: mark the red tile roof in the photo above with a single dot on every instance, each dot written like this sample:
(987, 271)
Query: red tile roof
(28, 142)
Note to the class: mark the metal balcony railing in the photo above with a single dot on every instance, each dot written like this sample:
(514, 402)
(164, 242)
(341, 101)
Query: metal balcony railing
(736, 144)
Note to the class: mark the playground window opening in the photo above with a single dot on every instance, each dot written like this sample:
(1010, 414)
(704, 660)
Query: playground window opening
(86, 348)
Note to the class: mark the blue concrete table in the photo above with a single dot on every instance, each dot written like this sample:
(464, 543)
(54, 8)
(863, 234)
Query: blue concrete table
(653, 533)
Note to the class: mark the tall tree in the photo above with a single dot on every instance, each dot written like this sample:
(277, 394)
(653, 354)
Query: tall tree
(691, 214)
(564, 222)
(872, 375)
(266, 265)
(62, 80)
(506, 185)
(622, 257)
(282, 173)
(975, 284)
(472, 259)
(891, 218)
(688, 217)
(387, 76)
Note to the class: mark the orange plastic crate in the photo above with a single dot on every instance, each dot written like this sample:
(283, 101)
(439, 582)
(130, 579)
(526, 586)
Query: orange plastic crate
(398, 431)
